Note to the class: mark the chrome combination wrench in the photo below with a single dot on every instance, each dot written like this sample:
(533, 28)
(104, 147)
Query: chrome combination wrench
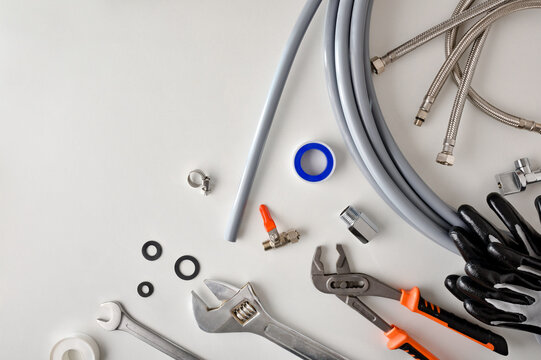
(119, 319)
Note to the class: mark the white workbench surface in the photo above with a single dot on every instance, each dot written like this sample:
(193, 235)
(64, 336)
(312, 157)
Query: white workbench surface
(106, 105)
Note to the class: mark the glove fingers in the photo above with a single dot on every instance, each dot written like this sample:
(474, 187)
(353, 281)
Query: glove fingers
(470, 247)
(480, 226)
(523, 327)
(450, 284)
(485, 294)
(525, 238)
(514, 259)
(490, 278)
(490, 315)
(538, 206)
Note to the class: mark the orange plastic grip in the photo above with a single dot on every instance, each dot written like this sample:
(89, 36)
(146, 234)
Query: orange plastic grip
(399, 339)
(410, 299)
(267, 219)
(413, 301)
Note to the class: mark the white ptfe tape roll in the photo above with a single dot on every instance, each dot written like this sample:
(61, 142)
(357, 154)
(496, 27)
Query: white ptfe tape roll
(83, 344)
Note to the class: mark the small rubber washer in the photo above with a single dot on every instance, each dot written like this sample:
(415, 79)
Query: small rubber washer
(195, 264)
(148, 256)
(141, 287)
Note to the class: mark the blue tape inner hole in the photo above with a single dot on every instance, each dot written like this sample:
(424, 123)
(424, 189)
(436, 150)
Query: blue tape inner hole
(309, 162)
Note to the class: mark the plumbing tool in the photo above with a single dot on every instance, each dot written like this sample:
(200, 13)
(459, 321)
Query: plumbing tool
(516, 181)
(349, 287)
(276, 239)
(242, 311)
(119, 319)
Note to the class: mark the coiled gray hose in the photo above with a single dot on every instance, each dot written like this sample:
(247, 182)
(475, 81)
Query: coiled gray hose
(362, 125)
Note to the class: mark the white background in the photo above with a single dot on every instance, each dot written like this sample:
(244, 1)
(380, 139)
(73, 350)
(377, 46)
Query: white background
(106, 105)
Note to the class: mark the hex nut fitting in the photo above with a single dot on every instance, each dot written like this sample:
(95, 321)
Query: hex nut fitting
(445, 158)
(360, 225)
(378, 65)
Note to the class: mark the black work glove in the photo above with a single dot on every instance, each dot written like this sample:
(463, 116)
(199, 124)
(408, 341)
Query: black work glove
(503, 282)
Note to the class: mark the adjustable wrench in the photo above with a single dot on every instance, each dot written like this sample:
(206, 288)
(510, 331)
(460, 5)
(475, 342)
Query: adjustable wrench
(119, 319)
(242, 311)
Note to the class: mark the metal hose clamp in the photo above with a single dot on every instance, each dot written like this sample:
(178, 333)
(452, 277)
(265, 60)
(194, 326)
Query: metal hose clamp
(203, 181)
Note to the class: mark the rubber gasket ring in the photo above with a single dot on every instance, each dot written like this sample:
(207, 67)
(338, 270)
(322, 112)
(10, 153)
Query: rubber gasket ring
(194, 262)
(142, 285)
(158, 247)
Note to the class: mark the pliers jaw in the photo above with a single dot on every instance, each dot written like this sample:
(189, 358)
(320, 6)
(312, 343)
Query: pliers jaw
(346, 283)
(326, 282)
(342, 266)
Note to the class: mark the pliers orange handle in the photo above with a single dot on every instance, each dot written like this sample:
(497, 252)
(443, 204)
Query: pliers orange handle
(413, 300)
(399, 339)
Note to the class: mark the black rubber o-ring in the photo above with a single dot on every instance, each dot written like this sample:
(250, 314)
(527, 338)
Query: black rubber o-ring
(195, 264)
(158, 247)
(140, 289)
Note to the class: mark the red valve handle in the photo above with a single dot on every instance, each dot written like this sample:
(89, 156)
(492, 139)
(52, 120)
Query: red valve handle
(267, 218)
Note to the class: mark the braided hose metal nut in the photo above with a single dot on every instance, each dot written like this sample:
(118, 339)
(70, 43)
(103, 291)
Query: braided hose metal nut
(446, 157)
(378, 64)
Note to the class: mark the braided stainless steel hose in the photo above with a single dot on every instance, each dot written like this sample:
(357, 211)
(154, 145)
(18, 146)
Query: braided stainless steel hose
(473, 96)
(379, 63)
(446, 157)
(463, 12)
(475, 31)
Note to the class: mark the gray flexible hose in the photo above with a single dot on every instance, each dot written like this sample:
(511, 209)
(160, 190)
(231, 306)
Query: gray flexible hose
(358, 110)
(267, 116)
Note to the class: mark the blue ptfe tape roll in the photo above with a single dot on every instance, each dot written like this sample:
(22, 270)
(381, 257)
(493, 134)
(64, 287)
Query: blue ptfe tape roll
(329, 156)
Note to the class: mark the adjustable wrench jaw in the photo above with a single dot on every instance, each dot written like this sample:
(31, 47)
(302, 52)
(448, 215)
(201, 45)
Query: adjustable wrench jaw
(242, 312)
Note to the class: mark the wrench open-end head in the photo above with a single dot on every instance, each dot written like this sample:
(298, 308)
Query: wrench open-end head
(115, 311)
(118, 319)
